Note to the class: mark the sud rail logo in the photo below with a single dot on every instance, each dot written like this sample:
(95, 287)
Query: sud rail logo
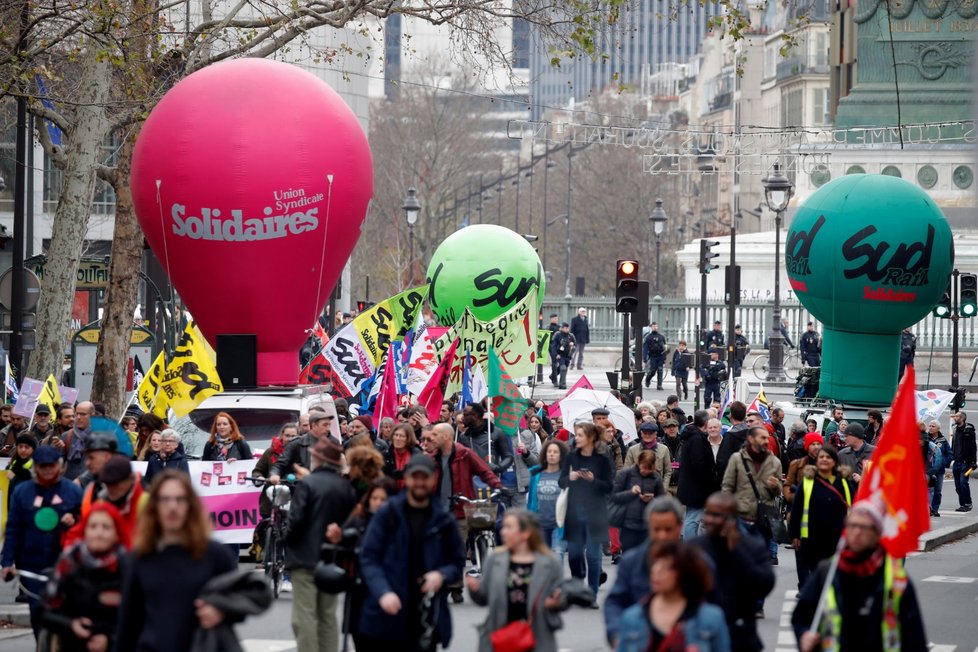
(292, 213)
(798, 251)
(905, 267)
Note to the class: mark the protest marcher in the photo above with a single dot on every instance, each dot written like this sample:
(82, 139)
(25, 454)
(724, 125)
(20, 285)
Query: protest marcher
(42, 427)
(818, 513)
(588, 476)
(99, 449)
(173, 555)
(965, 454)
(119, 487)
(76, 440)
(496, 449)
(940, 459)
(871, 603)
(146, 425)
(857, 451)
(21, 463)
(526, 454)
(672, 442)
(320, 499)
(153, 446)
(735, 436)
(545, 489)
(676, 615)
(170, 456)
(698, 474)
(40, 512)
(665, 523)
(520, 582)
(635, 487)
(812, 445)
(742, 572)
(81, 601)
(649, 440)
(226, 443)
(795, 446)
(403, 446)
(411, 553)
(10, 432)
(295, 458)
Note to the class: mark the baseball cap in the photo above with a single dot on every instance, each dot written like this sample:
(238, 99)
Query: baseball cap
(420, 463)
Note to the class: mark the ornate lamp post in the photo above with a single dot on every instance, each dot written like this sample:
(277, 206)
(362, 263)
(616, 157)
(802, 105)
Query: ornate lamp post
(778, 190)
(658, 219)
(412, 209)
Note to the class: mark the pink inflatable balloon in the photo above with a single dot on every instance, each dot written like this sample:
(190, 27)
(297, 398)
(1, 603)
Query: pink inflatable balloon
(251, 179)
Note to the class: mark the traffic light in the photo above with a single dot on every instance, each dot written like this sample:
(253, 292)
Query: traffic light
(958, 402)
(364, 305)
(626, 286)
(706, 255)
(942, 309)
(969, 295)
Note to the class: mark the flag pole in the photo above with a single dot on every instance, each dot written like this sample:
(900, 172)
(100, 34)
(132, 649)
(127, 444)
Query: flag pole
(489, 421)
(829, 578)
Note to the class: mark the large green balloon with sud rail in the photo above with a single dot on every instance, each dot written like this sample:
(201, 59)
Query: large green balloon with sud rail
(484, 267)
(868, 255)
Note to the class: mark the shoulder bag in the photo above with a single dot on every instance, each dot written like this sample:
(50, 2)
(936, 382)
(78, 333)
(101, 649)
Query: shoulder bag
(770, 518)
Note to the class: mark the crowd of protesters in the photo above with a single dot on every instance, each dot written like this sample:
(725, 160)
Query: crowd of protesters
(131, 564)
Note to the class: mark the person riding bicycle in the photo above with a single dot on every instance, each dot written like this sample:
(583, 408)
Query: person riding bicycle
(456, 467)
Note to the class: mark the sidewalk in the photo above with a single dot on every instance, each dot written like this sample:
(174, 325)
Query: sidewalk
(952, 525)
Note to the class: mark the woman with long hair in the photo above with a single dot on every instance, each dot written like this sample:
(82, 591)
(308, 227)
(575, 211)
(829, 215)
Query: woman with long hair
(675, 615)
(818, 514)
(544, 490)
(635, 487)
(534, 425)
(173, 558)
(146, 425)
(226, 444)
(520, 581)
(82, 599)
(588, 476)
(404, 444)
(152, 446)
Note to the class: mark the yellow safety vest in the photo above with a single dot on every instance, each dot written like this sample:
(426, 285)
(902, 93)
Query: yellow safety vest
(894, 586)
(807, 484)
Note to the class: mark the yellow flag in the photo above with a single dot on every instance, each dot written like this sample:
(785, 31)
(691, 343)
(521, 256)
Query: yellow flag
(149, 393)
(50, 394)
(191, 375)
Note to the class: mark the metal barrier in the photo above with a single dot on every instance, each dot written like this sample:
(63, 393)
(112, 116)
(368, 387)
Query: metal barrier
(678, 318)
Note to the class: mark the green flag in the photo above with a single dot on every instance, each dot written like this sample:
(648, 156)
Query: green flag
(507, 402)
(543, 346)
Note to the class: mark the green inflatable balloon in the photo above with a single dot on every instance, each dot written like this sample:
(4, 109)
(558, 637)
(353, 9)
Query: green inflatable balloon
(868, 255)
(484, 267)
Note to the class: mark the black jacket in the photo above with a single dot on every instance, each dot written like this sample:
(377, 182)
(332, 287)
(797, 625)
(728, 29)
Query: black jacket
(827, 511)
(561, 345)
(580, 329)
(238, 450)
(963, 444)
(698, 476)
(654, 345)
(587, 501)
(296, 452)
(390, 465)
(478, 441)
(860, 629)
(320, 498)
(741, 577)
(679, 366)
(622, 493)
(176, 461)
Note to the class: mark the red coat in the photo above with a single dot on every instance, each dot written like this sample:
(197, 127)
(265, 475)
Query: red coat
(134, 504)
(465, 466)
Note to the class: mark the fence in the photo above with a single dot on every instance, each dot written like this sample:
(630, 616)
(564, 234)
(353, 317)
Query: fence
(678, 319)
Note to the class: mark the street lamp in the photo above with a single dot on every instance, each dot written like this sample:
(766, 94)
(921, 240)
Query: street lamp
(412, 209)
(777, 193)
(658, 219)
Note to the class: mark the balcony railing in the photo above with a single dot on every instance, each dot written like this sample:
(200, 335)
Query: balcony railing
(803, 66)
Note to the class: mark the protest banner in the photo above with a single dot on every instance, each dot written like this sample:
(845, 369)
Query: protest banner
(30, 391)
(191, 376)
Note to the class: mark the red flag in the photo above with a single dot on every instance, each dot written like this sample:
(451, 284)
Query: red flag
(387, 404)
(554, 410)
(433, 394)
(895, 479)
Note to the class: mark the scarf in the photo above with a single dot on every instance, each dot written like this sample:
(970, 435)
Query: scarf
(223, 444)
(758, 457)
(47, 484)
(79, 557)
(401, 457)
(861, 564)
(278, 446)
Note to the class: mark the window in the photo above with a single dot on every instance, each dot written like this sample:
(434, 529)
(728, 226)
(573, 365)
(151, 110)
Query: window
(820, 105)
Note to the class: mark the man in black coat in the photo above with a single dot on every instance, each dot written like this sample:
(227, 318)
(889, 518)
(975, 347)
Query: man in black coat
(697, 472)
(561, 354)
(295, 458)
(654, 353)
(734, 438)
(581, 331)
(964, 451)
(742, 570)
(476, 437)
(321, 499)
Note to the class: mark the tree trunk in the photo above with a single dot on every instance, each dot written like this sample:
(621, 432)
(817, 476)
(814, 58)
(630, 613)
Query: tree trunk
(109, 383)
(71, 218)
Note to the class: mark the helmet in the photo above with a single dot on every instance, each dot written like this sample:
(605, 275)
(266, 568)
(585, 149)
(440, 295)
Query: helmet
(332, 578)
(100, 441)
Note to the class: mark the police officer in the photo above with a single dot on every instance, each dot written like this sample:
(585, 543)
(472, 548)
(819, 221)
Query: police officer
(714, 339)
(811, 346)
(713, 374)
(561, 349)
(741, 349)
(654, 354)
(908, 348)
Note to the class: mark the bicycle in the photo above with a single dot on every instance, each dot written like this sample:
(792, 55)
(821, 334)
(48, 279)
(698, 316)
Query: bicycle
(480, 514)
(273, 553)
(792, 364)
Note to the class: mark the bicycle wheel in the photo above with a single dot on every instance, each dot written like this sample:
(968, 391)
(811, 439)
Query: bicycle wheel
(760, 367)
(481, 549)
(792, 364)
(273, 565)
